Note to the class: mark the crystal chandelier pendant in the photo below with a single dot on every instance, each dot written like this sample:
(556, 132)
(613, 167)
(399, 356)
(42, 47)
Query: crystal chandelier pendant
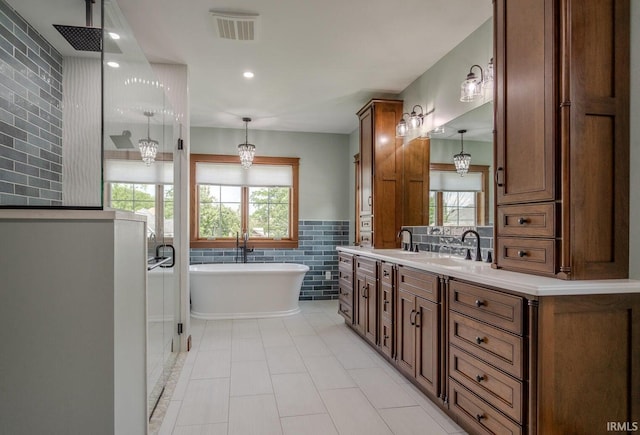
(246, 151)
(462, 160)
(148, 150)
(148, 147)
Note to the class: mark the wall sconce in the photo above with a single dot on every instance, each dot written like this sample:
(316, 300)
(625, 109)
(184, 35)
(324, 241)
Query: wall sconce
(246, 150)
(148, 147)
(473, 87)
(462, 160)
(414, 122)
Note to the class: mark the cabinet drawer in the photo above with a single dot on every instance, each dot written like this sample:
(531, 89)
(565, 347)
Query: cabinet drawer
(386, 301)
(345, 310)
(479, 416)
(365, 266)
(345, 261)
(386, 337)
(531, 255)
(536, 220)
(345, 292)
(500, 390)
(366, 223)
(345, 276)
(422, 284)
(366, 238)
(386, 274)
(499, 309)
(493, 345)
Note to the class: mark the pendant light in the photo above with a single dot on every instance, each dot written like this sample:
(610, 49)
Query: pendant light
(148, 147)
(246, 150)
(462, 160)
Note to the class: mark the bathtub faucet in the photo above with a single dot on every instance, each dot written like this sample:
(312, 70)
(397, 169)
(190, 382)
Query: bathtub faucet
(243, 248)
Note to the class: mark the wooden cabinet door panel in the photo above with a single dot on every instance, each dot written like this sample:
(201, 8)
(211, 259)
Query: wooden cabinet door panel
(360, 315)
(371, 319)
(427, 323)
(405, 332)
(525, 128)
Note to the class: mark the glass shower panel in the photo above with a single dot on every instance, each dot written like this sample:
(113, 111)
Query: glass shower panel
(139, 118)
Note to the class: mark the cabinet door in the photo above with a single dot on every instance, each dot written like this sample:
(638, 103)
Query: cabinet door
(360, 308)
(427, 345)
(406, 332)
(366, 161)
(371, 311)
(525, 101)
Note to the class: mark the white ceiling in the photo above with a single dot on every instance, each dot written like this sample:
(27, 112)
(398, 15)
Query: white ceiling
(316, 61)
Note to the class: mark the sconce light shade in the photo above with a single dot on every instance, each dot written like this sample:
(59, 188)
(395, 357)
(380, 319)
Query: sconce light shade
(471, 88)
(487, 85)
(415, 119)
(246, 150)
(462, 160)
(148, 147)
(402, 128)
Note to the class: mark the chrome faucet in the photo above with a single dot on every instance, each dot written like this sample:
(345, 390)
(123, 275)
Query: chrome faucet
(475, 233)
(410, 239)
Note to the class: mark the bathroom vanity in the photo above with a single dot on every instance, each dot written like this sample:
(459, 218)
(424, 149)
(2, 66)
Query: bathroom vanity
(500, 352)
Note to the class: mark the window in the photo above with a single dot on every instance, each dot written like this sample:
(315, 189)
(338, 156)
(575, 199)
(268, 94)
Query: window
(147, 190)
(455, 200)
(228, 201)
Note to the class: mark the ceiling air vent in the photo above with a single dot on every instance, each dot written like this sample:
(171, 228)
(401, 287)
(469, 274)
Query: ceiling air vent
(236, 26)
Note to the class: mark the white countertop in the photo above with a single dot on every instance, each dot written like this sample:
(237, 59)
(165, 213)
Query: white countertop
(482, 273)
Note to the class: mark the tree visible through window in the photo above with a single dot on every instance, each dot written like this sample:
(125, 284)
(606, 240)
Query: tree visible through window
(231, 201)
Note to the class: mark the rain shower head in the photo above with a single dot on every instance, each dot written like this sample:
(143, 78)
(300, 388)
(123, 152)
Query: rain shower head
(122, 141)
(86, 38)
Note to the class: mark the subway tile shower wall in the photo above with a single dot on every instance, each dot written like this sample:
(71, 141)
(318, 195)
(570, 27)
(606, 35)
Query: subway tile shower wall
(30, 115)
(316, 249)
(435, 239)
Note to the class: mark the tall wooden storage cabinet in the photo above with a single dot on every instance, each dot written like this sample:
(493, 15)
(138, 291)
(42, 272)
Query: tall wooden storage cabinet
(562, 137)
(380, 214)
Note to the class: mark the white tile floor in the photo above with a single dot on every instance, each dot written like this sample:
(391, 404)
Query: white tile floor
(303, 375)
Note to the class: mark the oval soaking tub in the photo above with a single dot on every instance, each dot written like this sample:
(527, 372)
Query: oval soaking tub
(249, 290)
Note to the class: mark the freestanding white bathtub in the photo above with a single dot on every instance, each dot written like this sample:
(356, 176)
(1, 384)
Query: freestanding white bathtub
(249, 290)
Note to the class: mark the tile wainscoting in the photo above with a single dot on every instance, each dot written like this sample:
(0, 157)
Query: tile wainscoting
(316, 249)
(433, 238)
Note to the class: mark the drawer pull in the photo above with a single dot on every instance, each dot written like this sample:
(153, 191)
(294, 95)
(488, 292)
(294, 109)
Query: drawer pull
(522, 254)
(385, 304)
(411, 319)
(480, 340)
(479, 417)
(480, 303)
(496, 177)
(340, 291)
(480, 378)
(385, 273)
(523, 221)
(415, 319)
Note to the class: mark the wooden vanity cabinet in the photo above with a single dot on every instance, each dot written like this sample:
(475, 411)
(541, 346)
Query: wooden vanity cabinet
(380, 187)
(562, 137)
(418, 326)
(366, 298)
(345, 286)
(487, 364)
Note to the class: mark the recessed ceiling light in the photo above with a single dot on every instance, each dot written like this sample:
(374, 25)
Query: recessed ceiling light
(113, 64)
(248, 75)
(114, 35)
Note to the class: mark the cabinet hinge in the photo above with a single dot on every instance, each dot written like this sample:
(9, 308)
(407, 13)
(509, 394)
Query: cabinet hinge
(180, 328)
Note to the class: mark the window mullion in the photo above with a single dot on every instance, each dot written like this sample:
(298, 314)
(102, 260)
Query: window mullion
(245, 209)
